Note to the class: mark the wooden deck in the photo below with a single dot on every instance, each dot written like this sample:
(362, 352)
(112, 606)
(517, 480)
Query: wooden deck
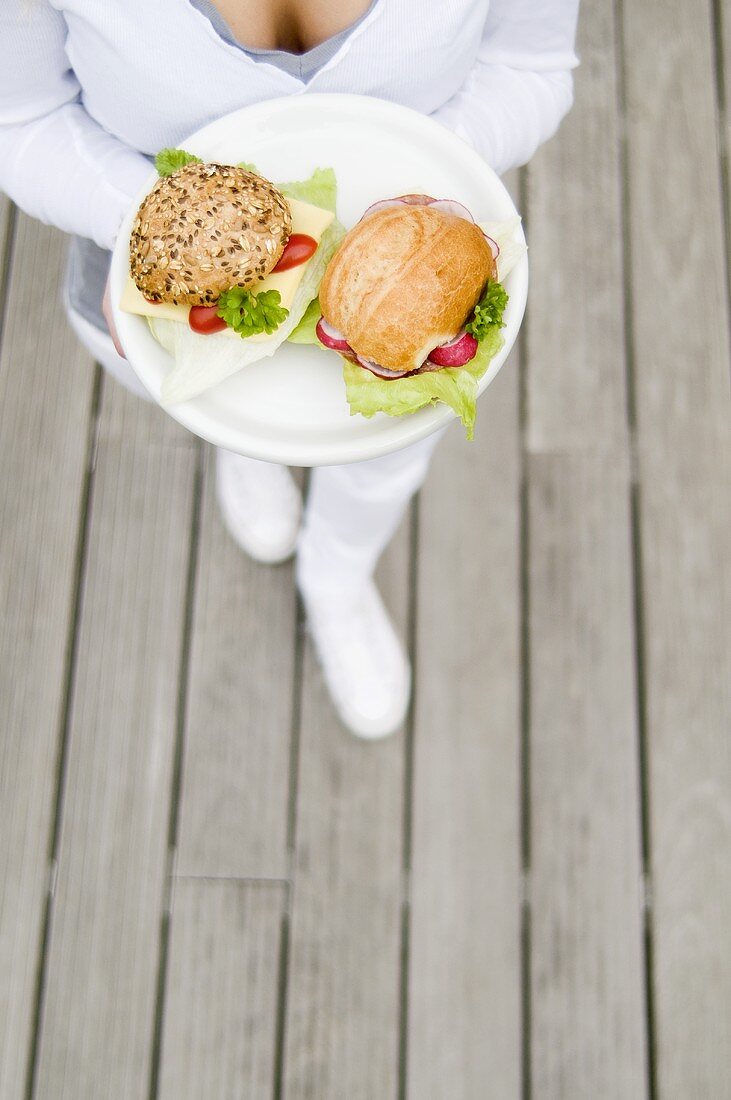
(207, 888)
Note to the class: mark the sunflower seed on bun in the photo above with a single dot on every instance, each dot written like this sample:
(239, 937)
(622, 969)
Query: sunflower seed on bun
(205, 228)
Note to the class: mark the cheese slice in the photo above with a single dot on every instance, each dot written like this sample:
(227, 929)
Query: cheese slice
(306, 218)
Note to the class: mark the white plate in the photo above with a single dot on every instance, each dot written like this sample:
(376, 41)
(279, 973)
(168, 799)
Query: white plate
(291, 408)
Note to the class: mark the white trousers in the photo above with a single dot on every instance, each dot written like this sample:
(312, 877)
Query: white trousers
(352, 510)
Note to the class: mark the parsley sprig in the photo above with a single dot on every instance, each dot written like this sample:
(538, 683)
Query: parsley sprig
(488, 311)
(168, 161)
(248, 313)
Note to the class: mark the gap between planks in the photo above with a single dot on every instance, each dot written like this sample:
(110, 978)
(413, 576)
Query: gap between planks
(636, 578)
(70, 667)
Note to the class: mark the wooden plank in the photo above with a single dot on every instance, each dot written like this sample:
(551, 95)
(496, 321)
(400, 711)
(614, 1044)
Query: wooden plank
(46, 384)
(98, 1012)
(587, 991)
(7, 217)
(342, 1016)
(464, 1000)
(233, 818)
(587, 987)
(723, 55)
(221, 1002)
(575, 363)
(684, 455)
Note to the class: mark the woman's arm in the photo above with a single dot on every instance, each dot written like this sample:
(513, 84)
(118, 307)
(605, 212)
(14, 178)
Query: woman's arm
(56, 163)
(520, 86)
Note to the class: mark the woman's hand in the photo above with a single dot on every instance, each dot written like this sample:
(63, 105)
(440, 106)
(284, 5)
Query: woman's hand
(107, 310)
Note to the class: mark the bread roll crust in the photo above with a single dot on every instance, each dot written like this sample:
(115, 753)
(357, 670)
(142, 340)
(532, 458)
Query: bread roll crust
(206, 228)
(404, 280)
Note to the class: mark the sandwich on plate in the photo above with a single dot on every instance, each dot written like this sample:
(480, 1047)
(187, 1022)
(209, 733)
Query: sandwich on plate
(225, 266)
(413, 301)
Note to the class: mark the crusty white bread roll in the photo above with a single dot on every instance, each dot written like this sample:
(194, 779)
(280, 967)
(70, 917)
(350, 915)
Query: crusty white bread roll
(404, 280)
(206, 228)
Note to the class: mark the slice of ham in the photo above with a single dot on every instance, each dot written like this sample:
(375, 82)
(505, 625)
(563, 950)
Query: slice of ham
(381, 372)
(455, 353)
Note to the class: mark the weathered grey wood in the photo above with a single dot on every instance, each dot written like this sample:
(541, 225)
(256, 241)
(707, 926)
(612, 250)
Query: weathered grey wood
(342, 1014)
(46, 384)
(221, 1000)
(343, 989)
(7, 212)
(97, 1021)
(682, 397)
(587, 990)
(233, 818)
(575, 368)
(464, 957)
(723, 47)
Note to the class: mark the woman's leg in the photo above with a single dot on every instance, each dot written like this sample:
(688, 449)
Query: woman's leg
(260, 504)
(352, 512)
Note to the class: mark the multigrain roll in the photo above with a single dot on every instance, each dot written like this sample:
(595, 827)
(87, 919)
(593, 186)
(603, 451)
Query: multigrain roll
(404, 281)
(205, 228)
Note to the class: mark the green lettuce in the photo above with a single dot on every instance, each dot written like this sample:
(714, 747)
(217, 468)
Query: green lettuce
(367, 394)
(305, 333)
(320, 189)
(456, 386)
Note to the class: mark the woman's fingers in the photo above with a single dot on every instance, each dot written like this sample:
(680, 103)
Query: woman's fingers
(109, 318)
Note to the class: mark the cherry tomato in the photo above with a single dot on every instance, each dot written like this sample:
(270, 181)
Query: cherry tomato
(203, 319)
(297, 250)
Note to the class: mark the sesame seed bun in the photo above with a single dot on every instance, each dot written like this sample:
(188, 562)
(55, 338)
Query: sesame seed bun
(206, 228)
(403, 281)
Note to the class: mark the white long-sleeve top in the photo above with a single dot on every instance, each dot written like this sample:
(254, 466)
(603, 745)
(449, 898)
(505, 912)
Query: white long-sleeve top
(88, 86)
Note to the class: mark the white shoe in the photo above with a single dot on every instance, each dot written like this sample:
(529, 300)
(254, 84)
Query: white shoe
(365, 666)
(260, 504)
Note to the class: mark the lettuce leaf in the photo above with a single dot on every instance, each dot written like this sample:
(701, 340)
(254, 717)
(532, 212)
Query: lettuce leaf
(321, 189)
(305, 333)
(456, 386)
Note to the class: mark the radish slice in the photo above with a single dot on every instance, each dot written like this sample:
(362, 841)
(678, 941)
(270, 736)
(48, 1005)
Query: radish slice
(449, 206)
(417, 200)
(400, 200)
(376, 368)
(494, 246)
(384, 204)
(330, 336)
(456, 352)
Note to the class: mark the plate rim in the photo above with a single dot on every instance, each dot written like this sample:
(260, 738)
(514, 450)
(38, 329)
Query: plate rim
(409, 428)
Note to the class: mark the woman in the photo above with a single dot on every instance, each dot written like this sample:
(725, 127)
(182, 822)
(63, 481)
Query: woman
(94, 88)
